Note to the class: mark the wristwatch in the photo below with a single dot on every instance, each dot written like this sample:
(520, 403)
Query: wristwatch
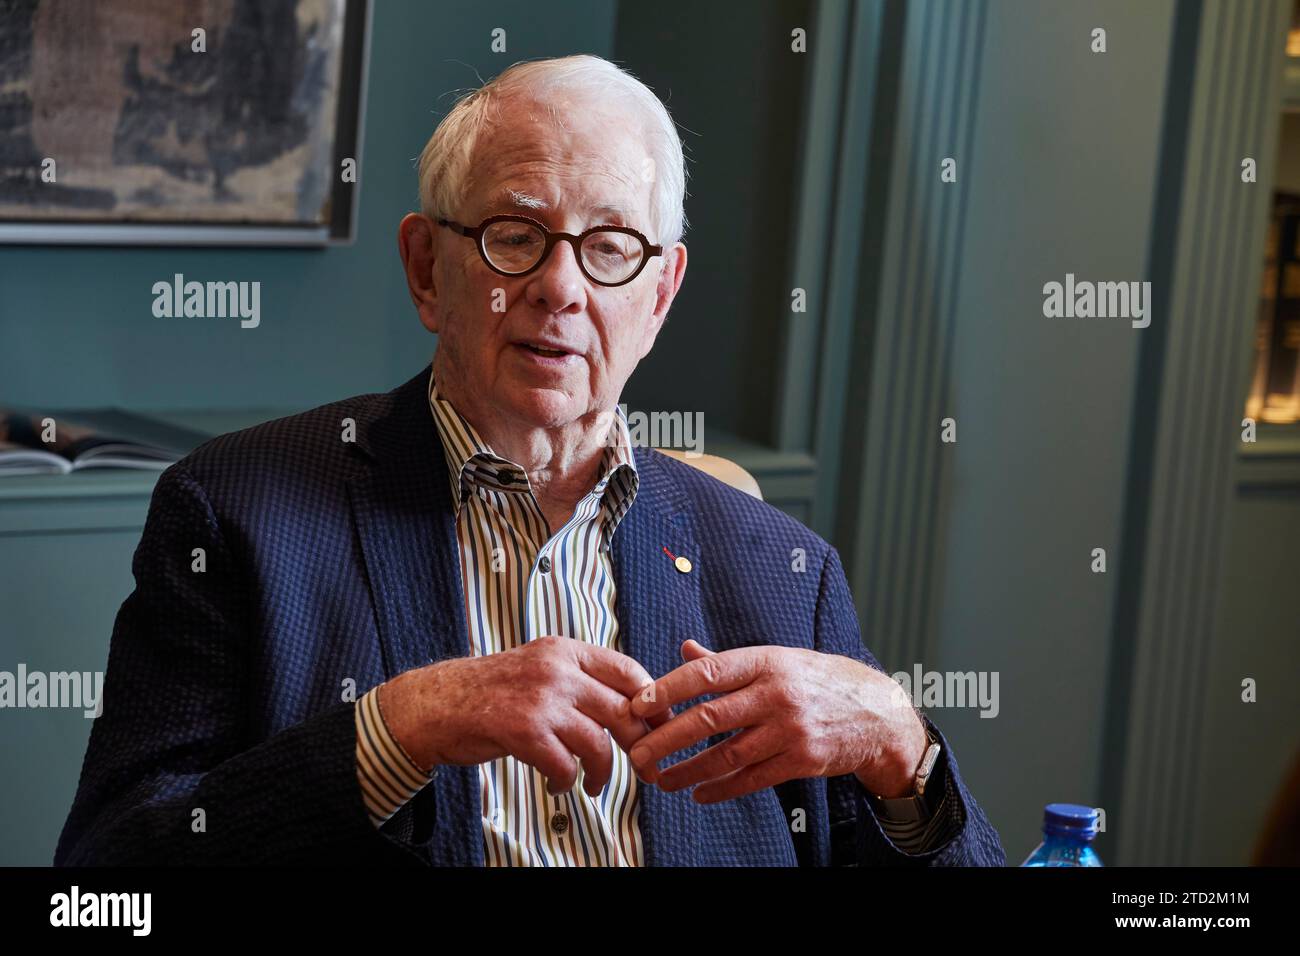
(917, 806)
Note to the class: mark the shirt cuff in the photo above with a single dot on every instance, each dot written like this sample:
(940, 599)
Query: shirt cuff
(918, 836)
(942, 826)
(387, 774)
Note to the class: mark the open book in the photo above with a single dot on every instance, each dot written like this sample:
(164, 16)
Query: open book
(33, 444)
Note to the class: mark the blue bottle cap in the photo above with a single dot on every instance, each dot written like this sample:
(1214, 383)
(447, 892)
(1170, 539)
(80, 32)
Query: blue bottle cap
(1070, 820)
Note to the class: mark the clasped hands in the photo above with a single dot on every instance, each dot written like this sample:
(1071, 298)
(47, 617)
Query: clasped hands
(795, 713)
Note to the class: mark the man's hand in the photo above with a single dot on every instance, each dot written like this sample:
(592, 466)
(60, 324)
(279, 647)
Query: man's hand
(799, 713)
(545, 703)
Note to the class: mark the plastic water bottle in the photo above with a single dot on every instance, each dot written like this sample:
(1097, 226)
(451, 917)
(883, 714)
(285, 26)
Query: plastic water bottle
(1068, 830)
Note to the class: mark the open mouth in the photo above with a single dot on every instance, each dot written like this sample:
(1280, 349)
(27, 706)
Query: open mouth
(543, 351)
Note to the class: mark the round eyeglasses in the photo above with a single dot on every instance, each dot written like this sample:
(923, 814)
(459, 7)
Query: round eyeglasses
(516, 245)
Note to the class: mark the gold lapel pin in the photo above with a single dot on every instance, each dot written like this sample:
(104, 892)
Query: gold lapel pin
(682, 563)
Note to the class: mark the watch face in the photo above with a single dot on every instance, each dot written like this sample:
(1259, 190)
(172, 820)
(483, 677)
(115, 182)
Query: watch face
(927, 763)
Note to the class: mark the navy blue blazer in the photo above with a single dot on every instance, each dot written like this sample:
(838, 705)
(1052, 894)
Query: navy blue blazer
(329, 566)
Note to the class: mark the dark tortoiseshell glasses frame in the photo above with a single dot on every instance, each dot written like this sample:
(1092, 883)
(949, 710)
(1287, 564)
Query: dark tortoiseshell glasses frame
(551, 238)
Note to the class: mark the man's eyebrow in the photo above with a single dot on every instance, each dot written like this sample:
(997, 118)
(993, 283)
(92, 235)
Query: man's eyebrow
(520, 200)
(516, 199)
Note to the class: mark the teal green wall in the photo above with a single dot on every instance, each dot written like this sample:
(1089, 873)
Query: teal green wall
(736, 91)
(1258, 636)
(59, 593)
(1061, 179)
(976, 556)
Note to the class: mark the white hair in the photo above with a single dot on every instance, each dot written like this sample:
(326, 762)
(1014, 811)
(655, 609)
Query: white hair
(445, 162)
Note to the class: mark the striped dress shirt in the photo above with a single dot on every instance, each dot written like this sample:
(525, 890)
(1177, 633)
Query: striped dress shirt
(520, 583)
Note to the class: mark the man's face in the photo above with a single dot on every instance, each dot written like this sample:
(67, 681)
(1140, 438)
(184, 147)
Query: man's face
(586, 160)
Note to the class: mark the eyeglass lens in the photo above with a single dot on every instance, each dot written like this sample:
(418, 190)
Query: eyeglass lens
(516, 246)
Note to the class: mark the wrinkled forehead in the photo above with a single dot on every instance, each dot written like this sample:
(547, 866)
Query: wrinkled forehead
(551, 159)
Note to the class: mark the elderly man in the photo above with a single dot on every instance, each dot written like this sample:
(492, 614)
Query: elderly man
(465, 622)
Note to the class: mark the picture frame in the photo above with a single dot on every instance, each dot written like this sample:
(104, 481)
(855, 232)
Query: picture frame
(185, 147)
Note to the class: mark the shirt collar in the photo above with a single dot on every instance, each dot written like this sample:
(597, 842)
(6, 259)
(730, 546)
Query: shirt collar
(471, 461)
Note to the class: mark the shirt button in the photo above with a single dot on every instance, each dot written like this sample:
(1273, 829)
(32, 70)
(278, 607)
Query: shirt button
(560, 822)
(544, 564)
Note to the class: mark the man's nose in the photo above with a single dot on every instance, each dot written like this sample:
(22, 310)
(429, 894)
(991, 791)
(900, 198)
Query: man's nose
(558, 282)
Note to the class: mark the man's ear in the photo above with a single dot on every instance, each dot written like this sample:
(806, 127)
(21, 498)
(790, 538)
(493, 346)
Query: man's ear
(417, 245)
(667, 284)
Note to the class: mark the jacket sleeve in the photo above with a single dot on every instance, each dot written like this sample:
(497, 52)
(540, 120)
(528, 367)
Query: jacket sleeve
(171, 774)
(856, 834)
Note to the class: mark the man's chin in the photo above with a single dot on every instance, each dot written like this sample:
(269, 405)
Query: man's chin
(547, 406)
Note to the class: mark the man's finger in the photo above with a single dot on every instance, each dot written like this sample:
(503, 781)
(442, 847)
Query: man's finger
(750, 746)
(551, 758)
(613, 669)
(609, 708)
(588, 741)
(709, 674)
(693, 650)
(656, 718)
(755, 777)
(729, 712)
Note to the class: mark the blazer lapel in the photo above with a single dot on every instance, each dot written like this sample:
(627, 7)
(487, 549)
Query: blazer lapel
(658, 608)
(401, 504)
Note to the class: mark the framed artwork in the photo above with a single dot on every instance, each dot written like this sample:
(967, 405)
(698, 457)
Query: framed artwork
(181, 122)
